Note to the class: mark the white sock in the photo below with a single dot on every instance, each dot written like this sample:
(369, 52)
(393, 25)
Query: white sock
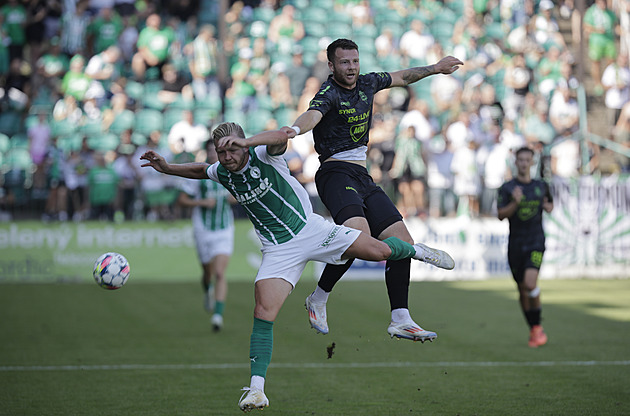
(257, 383)
(401, 315)
(319, 295)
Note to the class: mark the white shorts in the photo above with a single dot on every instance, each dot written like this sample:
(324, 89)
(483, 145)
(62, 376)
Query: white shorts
(319, 240)
(212, 243)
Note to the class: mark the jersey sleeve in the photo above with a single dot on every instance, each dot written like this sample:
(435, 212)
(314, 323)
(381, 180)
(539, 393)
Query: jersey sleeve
(324, 99)
(380, 80)
(211, 171)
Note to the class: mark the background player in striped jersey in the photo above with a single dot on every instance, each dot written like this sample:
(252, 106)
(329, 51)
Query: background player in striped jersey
(213, 228)
(257, 175)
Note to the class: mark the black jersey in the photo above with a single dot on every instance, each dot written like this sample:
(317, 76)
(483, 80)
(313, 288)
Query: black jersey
(526, 223)
(347, 114)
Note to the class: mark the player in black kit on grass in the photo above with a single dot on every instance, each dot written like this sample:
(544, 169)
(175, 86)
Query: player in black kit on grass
(522, 201)
(340, 115)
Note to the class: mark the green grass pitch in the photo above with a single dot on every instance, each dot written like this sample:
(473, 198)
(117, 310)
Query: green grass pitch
(148, 349)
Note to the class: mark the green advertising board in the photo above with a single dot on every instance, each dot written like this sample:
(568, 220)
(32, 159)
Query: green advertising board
(31, 251)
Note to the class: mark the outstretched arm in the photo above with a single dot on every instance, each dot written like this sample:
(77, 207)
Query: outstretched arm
(446, 65)
(276, 141)
(305, 122)
(185, 170)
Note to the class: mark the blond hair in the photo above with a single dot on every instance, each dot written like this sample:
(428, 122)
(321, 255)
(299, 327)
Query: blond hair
(227, 129)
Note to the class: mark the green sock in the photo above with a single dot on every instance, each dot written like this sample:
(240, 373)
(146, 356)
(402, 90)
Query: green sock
(260, 347)
(218, 307)
(400, 249)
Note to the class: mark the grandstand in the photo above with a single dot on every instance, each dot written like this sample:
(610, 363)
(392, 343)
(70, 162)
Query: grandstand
(237, 69)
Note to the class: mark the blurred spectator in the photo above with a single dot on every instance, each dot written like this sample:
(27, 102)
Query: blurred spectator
(616, 83)
(126, 169)
(15, 93)
(297, 73)
(13, 20)
(52, 66)
(419, 117)
(564, 112)
(546, 29)
(490, 109)
(510, 138)
(496, 170)
(102, 189)
(600, 24)
(128, 38)
(242, 92)
(74, 26)
(186, 135)
(67, 110)
(153, 47)
(103, 68)
(565, 157)
(154, 187)
(285, 30)
(203, 62)
(35, 28)
(536, 127)
(466, 178)
(75, 82)
(416, 42)
(409, 172)
(462, 130)
(104, 31)
(125, 8)
(311, 86)
(518, 79)
(57, 201)
(75, 173)
(624, 26)
(38, 143)
(440, 178)
(549, 71)
(174, 86)
(260, 67)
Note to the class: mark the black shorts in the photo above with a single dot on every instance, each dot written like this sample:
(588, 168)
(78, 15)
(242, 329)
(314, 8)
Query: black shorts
(348, 191)
(521, 258)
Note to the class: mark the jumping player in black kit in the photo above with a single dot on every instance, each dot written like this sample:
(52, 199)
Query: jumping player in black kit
(522, 201)
(340, 116)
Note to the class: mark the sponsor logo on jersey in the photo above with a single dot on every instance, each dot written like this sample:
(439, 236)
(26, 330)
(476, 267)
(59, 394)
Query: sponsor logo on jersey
(331, 236)
(254, 194)
(357, 132)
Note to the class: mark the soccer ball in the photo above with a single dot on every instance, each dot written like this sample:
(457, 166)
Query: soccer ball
(111, 271)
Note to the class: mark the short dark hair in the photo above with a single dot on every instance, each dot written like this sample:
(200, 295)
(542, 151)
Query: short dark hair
(346, 44)
(524, 149)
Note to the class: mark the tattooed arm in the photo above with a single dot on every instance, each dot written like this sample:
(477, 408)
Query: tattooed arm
(447, 65)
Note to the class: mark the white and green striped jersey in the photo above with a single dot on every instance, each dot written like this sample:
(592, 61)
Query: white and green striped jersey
(275, 202)
(210, 219)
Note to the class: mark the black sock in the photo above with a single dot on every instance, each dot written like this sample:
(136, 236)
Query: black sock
(533, 316)
(331, 275)
(397, 281)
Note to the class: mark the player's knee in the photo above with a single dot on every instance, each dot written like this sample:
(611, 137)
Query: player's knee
(534, 293)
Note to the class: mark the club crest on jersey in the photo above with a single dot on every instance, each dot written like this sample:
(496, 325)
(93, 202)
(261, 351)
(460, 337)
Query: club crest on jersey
(255, 172)
(363, 96)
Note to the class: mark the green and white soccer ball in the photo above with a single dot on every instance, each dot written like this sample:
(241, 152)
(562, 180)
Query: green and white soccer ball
(111, 271)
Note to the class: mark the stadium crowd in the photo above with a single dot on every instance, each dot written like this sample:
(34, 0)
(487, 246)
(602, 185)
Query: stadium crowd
(87, 86)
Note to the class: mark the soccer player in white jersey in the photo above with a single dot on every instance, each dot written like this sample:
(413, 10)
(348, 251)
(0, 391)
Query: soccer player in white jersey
(213, 229)
(257, 175)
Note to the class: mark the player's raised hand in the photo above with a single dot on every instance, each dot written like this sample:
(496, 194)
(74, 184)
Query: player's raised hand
(229, 141)
(154, 160)
(448, 65)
